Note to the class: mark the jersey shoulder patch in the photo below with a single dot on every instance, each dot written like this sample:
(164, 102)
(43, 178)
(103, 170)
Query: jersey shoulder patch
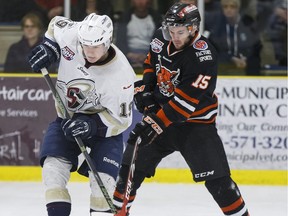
(200, 45)
(156, 45)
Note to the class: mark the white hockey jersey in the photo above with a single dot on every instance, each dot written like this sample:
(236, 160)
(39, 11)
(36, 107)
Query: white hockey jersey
(105, 89)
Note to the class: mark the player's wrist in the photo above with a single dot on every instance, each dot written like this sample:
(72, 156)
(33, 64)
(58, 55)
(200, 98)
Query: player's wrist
(162, 116)
(54, 49)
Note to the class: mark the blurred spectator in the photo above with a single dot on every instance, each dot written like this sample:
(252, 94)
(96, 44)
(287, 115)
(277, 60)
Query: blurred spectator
(135, 29)
(163, 6)
(12, 11)
(238, 41)
(264, 11)
(52, 8)
(17, 60)
(277, 32)
(249, 8)
(212, 11)
(85, 7)
(189, 1)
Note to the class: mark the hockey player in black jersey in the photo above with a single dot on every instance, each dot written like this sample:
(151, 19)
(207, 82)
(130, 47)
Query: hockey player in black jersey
(176, 97)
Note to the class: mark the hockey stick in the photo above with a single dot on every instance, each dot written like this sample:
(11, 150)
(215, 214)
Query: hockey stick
(79, 141)
(128, 186)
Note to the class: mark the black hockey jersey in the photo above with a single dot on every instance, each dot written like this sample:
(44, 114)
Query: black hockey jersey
(184, 80)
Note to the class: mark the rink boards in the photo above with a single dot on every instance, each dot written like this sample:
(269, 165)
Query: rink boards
(246, 177)
(252, 122)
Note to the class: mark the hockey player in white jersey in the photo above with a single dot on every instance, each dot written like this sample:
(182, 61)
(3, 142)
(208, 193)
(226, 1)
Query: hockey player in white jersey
(96, 83)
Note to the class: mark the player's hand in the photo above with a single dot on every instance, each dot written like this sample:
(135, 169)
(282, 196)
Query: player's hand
(82, 126)
(240, 62)
(148, 130)
(43, 55)
(144, 99)
(151, 106)
(139, 87)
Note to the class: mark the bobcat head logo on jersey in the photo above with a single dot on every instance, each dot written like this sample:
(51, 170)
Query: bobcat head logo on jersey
(167, 80)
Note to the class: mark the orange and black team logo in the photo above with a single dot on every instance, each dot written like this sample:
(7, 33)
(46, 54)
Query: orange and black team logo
(167, 80)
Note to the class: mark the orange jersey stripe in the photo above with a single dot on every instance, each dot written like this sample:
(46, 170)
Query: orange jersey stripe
(179, 110)
(199, 112)
(203, 121)
(187, 97)
(148, 59)
(233, 206)
(163, 117)
(148, 70)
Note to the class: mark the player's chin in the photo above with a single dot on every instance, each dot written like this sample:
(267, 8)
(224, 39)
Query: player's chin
(178, 45)
(92, 60)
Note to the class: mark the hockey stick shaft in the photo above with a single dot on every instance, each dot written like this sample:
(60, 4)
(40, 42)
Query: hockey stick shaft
(79, 141)
(129, 182)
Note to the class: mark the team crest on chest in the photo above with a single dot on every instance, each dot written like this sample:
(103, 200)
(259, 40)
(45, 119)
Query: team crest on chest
(80, 94)
(156, 45)
(167, 80)
(200, 45)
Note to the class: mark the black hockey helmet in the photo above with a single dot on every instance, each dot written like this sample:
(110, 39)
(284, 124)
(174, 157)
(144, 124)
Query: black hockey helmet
(181, 14)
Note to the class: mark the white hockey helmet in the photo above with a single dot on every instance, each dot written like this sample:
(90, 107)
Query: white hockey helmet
(96, 30)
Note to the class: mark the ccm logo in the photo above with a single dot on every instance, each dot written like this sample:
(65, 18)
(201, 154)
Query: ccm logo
(153, 124)
(204, 174)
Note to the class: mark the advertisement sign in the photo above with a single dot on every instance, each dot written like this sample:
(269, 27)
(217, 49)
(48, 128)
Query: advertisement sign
(253, 122)
(26, 108)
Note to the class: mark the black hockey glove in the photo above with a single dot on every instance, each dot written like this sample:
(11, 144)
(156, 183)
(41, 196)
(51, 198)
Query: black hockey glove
(151, 106)
(43, 55)
(148, 130)
(82, 126)
(144, 99)
(138, 92)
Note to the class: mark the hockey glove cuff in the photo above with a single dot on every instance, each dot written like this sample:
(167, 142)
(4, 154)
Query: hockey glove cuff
(151, 106)
(148, 130)
(138, 91)
(82, 126)
(144, 99)
(43, 55)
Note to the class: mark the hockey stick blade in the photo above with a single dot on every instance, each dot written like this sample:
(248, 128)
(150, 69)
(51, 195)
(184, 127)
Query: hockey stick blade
(79, 141)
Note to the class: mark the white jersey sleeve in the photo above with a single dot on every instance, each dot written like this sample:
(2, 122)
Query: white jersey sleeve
(58, 24)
